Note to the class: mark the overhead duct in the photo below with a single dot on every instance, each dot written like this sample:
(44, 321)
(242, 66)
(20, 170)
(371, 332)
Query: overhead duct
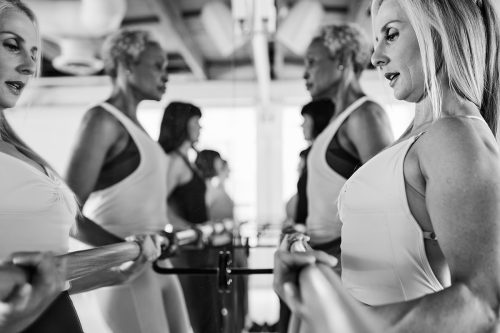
(300, 25)
(218, 21)
(78, 27)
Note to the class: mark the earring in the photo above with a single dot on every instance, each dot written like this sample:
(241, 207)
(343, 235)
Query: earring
(340, 67)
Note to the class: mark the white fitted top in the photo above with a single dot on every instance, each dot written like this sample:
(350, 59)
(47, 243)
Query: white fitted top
(36, 210)
(383, 252)
(324, 184)
(138, 203)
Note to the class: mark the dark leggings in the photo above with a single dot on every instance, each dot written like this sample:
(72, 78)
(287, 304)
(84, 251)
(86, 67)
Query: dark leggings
(60, 317)
(200, 291)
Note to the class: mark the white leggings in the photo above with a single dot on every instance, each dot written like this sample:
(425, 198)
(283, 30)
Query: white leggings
(151, 303)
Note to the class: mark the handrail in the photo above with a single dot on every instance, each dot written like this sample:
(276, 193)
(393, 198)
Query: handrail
(329, 308)
(92, 261)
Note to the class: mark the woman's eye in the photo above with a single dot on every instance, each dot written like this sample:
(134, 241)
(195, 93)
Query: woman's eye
(11, 46)
(391, 35)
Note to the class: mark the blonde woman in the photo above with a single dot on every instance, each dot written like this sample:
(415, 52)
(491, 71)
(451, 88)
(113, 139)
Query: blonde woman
(37, 210)
(421, 236)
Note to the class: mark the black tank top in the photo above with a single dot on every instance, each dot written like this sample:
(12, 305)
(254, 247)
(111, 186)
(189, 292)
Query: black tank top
(119, 167)
(189, 199)
(340, 160)
(301, 209)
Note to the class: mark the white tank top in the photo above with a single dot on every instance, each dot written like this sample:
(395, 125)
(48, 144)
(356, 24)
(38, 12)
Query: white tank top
(36, 210)
(383, 253)
(324, 184)
(136, 204)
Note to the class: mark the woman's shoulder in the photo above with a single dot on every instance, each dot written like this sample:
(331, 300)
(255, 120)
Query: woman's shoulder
(369, 112)
(458, 142)
(177, 165)
(459, 132)
(98, 121)
(98, 115)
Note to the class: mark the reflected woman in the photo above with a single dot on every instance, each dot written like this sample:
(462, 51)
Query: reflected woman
(358, 130)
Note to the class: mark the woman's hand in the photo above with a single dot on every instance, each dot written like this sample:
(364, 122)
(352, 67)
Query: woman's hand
(150, 250)
(36, 280)
(286, 270)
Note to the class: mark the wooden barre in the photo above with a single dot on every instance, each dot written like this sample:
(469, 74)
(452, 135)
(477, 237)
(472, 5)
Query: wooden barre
(94, 260)
(86, 262)
(91, 261)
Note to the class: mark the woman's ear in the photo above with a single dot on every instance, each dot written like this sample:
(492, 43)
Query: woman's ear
(126, 69)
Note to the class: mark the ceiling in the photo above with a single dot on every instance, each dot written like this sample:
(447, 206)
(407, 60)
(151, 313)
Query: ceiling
(202, 38)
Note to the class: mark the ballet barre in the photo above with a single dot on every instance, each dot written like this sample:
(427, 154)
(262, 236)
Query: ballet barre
(328, 304)
(85, 263)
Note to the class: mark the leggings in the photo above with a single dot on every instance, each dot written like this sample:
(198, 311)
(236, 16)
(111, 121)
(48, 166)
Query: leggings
(60, 317)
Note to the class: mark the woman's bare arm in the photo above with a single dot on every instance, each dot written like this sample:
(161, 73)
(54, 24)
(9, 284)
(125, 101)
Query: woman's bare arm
(461, 167)
(98, 132)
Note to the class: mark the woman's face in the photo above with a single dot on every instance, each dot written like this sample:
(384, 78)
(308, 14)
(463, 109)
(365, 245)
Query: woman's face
(18, 55)
(193, 129)
(149, 74)
(307, 127)
(397, 52)
(224, 171)
(321, 71)
(218, 165)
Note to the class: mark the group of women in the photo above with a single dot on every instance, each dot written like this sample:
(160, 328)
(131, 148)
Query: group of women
(415, 227)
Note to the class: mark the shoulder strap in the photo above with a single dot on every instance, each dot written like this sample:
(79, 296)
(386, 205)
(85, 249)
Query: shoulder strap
(351, 108)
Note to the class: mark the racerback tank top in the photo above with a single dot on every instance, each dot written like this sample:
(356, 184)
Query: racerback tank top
(136, 204)
(383, 253)
(324, 184)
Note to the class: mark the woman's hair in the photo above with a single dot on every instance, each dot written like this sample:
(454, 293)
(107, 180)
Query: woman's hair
(205, 162)
(321, 111)
(124, 47)
(347, 43)
(173, 129)
(6, 131)
(460, 40)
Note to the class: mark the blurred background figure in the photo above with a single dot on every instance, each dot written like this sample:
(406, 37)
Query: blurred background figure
(215, 170)
(220, 206)
(316, 115)
(179, 131)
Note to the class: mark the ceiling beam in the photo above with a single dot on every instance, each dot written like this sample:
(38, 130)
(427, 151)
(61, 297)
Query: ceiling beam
(170, 14)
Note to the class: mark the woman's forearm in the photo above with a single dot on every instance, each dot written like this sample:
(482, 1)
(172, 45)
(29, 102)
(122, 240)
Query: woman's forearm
(105, 278)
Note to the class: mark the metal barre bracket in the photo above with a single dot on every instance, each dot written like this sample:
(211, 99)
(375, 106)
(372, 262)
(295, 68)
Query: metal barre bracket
(224, 271)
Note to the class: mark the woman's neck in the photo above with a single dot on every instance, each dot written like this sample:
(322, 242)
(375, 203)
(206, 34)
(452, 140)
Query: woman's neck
(184, 147)
(124, 100)
(343, 95)
(451, 106)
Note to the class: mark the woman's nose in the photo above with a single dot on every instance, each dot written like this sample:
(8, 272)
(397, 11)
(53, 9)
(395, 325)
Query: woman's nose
(379, 59)
(27, 65)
